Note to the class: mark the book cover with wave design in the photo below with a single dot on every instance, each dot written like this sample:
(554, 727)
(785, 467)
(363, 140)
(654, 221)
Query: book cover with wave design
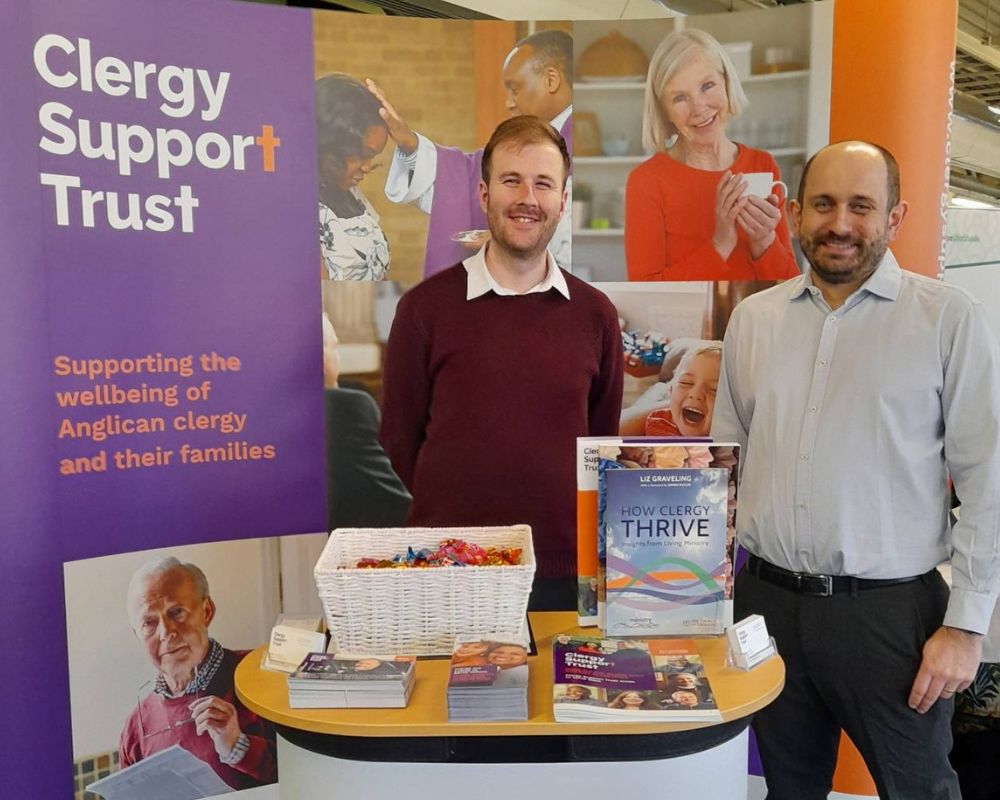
(666, 529)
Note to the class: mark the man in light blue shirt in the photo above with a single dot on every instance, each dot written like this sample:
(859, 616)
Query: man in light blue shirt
(857, 390)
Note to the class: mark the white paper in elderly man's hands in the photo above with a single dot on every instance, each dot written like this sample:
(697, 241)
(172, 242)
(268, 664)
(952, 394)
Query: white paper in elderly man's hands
(171, 774)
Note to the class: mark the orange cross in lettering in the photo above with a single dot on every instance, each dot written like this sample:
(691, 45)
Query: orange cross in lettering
(267, 141)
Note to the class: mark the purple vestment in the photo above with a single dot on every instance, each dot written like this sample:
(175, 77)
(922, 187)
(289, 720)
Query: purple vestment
(456, 207)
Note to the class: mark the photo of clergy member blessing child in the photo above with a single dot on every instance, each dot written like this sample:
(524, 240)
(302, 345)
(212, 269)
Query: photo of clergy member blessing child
(350, 134)
(442, 180)
(694, 211)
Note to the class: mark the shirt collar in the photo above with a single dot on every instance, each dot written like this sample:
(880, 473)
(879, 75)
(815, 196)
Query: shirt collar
(887, 279)
(480, 281)
(884, 282)
(560, 119)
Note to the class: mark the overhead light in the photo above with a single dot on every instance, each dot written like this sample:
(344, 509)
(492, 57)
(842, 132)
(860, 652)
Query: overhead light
(968, 202)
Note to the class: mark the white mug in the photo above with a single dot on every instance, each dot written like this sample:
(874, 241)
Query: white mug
(762, 184)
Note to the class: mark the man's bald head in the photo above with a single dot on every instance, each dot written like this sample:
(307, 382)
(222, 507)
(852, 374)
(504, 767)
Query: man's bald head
(857, 146)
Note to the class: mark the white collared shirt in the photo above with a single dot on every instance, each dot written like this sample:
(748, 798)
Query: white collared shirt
(480, 280)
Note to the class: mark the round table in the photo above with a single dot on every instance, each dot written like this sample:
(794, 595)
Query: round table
(378, 753)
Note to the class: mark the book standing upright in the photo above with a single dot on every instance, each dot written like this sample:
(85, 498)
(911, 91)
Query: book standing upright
(667, 518)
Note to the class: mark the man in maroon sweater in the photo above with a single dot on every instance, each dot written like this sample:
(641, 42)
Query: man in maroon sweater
(495, 366)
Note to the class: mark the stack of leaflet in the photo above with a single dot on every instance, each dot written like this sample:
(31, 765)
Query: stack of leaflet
(488, 682)
(325, 680)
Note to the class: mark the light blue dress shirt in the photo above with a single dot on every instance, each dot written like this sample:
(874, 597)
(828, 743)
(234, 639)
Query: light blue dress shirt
(852, 420)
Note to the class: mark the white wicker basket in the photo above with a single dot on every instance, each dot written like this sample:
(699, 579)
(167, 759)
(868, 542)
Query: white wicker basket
(420, 611)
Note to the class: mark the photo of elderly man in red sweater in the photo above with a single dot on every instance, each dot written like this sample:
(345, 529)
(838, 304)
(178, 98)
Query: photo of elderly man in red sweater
(494, 366)
(191, 701)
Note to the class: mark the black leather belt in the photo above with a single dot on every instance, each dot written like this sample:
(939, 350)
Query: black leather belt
(818, 585)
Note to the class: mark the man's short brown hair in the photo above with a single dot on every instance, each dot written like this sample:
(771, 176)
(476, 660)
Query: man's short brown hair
(520, 132)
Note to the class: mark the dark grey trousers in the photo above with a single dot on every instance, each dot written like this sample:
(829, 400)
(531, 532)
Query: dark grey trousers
(850, 661)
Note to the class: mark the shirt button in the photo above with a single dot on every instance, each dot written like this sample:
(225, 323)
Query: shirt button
(804, 456)
(813, 409)
(802, 506)
(831, 318)
(822, 363)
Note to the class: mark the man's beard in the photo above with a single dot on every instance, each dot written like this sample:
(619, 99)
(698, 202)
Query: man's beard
(520, 246)
(864, 262)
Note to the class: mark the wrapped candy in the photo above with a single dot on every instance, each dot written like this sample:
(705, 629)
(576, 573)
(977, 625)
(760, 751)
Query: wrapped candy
(449, 553)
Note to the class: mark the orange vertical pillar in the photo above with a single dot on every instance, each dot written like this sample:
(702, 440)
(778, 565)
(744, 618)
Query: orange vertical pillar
(852, 777)
(893, 70)
(892, 81)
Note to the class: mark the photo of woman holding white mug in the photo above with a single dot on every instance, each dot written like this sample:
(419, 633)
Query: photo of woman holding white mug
(702, 207)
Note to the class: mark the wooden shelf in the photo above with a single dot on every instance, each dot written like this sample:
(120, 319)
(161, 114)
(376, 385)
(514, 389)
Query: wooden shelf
(598, 233)
(635, 86)
(608, 160)
(606, 86)
(775, 77)
(786, 152)
(633, 161)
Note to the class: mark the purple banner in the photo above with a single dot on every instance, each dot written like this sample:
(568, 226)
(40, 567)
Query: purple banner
(161, 347)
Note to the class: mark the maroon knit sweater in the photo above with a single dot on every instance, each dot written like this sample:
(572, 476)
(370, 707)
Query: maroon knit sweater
(484, 399)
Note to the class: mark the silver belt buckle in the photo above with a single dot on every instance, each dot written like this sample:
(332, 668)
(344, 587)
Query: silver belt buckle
(826, 582)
